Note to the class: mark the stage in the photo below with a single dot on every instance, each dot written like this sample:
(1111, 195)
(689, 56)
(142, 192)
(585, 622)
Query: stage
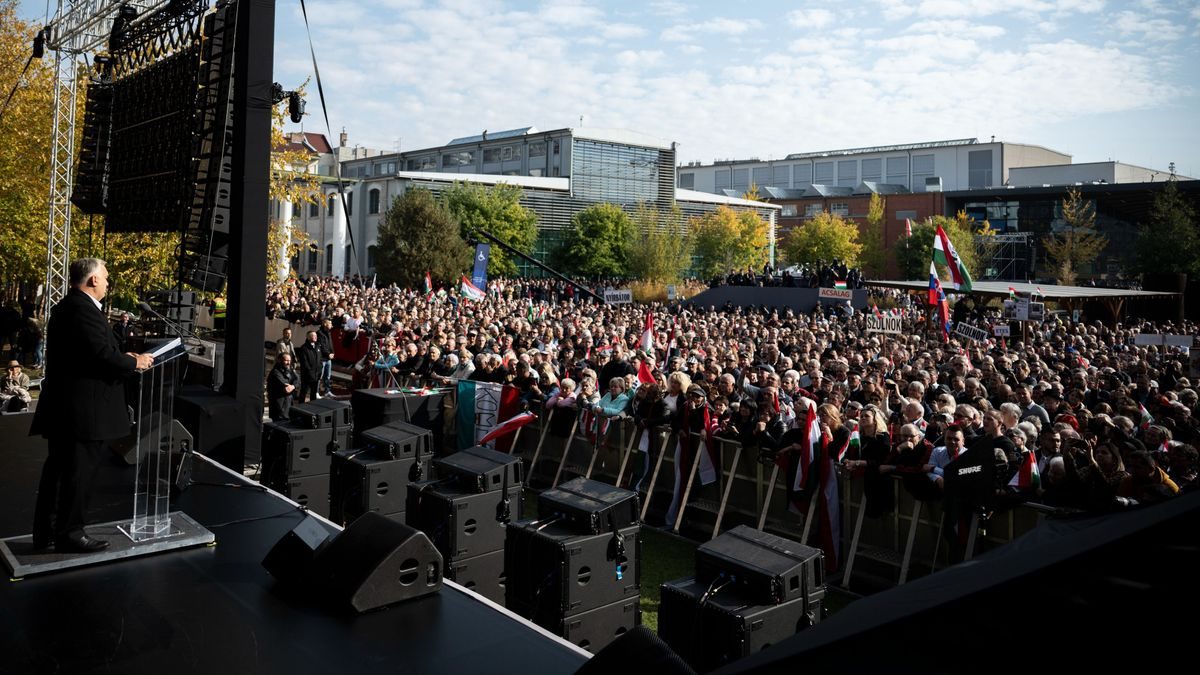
(215, 609)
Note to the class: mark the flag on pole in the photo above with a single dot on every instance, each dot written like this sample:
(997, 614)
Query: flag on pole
(831, 513)
(1027, 477)
(938, 297)
(1146, 420)
(428, 284)
(470, 290)
(481, 407)
(935, 285)
(855, 444)
(1012, 293)
(840, 284)
(944, 253)
(671, 340)
(644, 375)
(648, 334)
(875, 310)
(908, 227)
(1039, 292)
(508, 426)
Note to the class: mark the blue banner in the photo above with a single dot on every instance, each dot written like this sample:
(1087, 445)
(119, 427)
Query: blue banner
(479, 276)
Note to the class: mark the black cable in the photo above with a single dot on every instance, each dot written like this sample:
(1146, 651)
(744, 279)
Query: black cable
(39, 38)
(240, 521)
(236, 486)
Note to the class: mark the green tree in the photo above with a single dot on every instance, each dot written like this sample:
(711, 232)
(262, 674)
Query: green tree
(725, 240)
(914, 254)
(418, 234)
(1078, 243)
(599, 241)
(873, 258)
(825, 237)
(662, 249)
(1170, 240)
(497, 210)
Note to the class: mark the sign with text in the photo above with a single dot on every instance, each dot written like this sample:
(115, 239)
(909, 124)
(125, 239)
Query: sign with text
(1162, 340)
(1023, 309)
(671, 292)
(618, 296)
(970, 332)
(1002, 331)
(884, 324)
(835, 293)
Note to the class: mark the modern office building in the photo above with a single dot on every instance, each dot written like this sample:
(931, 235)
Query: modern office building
(560, 173)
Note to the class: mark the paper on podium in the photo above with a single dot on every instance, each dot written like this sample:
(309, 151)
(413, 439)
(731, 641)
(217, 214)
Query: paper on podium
(166, 347)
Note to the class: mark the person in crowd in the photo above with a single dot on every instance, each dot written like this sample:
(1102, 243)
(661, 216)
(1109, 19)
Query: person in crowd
(325, 344)
(649, 413)
(874, 461)
(693, 447)
(123, 330)
(953, 443)
(284, 344)
(281, 388)
(14, 389)
(1147, 482)
(308, 359)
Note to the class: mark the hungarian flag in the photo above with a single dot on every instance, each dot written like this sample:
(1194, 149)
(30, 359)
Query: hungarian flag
(876, 312)
(428, 284)
(908, 227)
(482, 406)
(812, 437)
(671, 341)
(644, 375)
(648, 334)
(944, 253)
(840, 284)
(469, 290)
(508, 426)
(1147, 419)
(1012, 293)
(1027, 477)
(594, 425)
(855, 444)
(830, 525)
(1039, 292)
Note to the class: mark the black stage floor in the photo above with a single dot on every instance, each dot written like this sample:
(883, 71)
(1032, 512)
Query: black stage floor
(216, 610)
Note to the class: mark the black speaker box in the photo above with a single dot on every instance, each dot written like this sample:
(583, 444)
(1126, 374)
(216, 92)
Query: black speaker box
(376, 407)
(480, 469)
(361, 482)
(322, 414)
(589, 506)
(767, 569)
(291, 559)
(397, 440)
(217, 423)
(311, 492)
(460, 524)
(375, 562)
(290, 451)
(483, 574)
(172, 432)
(596, 628)
(552, 571)
(728, 626)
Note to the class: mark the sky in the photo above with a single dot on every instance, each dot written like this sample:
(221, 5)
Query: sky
(1096, 79)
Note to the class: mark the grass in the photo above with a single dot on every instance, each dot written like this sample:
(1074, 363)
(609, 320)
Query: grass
(664, 558)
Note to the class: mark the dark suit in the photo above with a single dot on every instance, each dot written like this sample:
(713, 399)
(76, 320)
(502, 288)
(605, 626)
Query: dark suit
(309, 358)
(82, 406)
(279, 400)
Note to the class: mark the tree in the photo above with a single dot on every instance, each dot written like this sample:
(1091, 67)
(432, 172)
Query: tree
(418, 235)
(497, 210)
(825, 237)
(599, 241)
(725, 240)
(291, 181)
(873, 258)
(1078, 243)
(662, 249)
(914, 254)
(1170, 241)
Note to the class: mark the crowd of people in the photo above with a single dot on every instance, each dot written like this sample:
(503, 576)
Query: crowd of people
(1107, 424)
(821, 274)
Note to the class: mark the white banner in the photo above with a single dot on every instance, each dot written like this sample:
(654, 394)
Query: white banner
(671, 292)
(618, 296)
(884, 324)
(970, 332)
(1002, 331)
(835, 293)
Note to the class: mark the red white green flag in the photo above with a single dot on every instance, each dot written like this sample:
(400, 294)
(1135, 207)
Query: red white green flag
(1027, 477)
(944, 254)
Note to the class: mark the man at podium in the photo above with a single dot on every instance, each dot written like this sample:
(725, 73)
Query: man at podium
(81, 408)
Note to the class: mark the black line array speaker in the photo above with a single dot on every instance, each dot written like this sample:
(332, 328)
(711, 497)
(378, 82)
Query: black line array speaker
(290, 451)
(373, 563)
(765, 568)
(483, 574)
(590, 506)
(396, 440)
(728, 625)
(311, 492)
(361, 481)
(596, 628)
(217, 423)
(377, 407)
(462, 524)
(480, 469)
(322, 414)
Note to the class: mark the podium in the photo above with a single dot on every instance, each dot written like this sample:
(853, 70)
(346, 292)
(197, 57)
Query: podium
(162, 450)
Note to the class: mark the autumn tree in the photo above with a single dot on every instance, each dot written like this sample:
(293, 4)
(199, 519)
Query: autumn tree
(418, 234)
(824, 237)
(496, 209)
(1078, 243)
(727, 240)
(873, 258)
(293, 179)
(662, 247)
(1169, 240)
(599, 241)
(914, 253)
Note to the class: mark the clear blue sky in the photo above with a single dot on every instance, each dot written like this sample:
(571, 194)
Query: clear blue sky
(1097, 79)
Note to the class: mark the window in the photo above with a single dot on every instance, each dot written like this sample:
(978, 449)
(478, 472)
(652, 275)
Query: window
(371, 256)
(329, 259)
(537, 149)
(390, 168)
(824, 173)
(614, 173)
(872, 169)
(897, 171)
(789, 211)
(454, 159)
(537, 172)
(905, 215)
(687, 181)
(741, 180)
(721, 179)
(556, 147)
(801, 174)
(491, 155)
(813, 210)
(761, 175)
(373, 201)
(312, 259)
(839, 209)
(847, 173)
(780, 176)
(349, 203)
(979, 168)
(427, 163)
(332, 201)
(510, 153)
(314, 210)
(346, 261)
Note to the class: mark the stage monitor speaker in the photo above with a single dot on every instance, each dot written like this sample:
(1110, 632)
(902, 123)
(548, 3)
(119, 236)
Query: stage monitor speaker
(322, 413)
(480, 469)
(396, 440)
(555, 572)
(175, 436)
(461, 524)
(641, 646)
(362, 482)
(483, 574)
(589, 506)
(217, 423)
(376, 562)
(291, 559)
(728, 626)
(289, 451)
(767, 569)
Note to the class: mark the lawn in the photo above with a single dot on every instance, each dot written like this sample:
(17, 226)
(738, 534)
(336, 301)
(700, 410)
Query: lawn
(663, 558)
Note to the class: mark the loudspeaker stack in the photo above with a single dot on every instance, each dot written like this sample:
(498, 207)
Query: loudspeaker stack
(576, 570)
(378, 407)
(296, 453)
(465, 514)
(374, 476)
(751, 590)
